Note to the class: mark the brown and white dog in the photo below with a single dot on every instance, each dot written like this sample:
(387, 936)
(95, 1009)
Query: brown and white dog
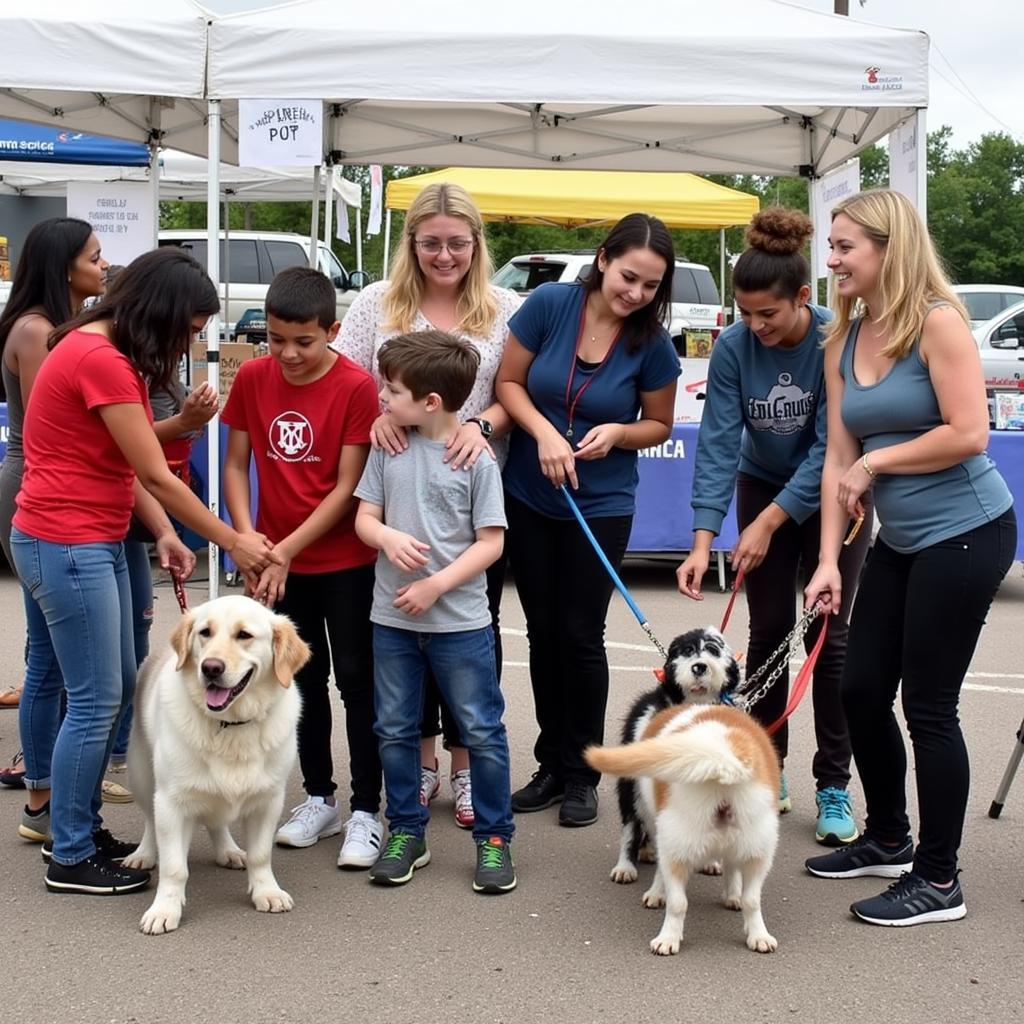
(700, 669)
(213, 742)
(709, 782)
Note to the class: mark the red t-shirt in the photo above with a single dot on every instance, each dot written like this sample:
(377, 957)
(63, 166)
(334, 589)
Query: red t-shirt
(77, 487)
(297, 433)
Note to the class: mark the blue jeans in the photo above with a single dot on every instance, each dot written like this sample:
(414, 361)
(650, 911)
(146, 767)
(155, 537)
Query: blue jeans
(140, 578)
(80, 632)
(463, 665)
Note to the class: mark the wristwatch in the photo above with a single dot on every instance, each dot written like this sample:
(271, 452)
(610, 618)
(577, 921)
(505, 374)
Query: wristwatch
(486, 426)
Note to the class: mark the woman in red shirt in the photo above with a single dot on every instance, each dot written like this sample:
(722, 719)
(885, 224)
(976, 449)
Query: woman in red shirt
(91, 457)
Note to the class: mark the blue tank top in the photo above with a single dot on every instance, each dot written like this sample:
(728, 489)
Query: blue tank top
(921, 509)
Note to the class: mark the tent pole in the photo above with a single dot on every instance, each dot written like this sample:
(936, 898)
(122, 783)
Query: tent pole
(213, 327)
(314, 225)
(329, 205)
(922, 165)
(721, 267)
(226, 270)
(387, 247)
(359, 238)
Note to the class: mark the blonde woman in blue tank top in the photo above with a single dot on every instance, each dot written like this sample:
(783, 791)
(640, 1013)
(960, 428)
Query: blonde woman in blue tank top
(908, 420)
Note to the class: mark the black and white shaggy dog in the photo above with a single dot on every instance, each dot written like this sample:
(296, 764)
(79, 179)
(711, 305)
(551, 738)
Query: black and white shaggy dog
(700, 669)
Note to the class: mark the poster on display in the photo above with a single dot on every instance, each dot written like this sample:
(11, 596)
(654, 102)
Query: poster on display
(693, 385)
(826, 192)
(903, 160)
(120, 212)
(280, 133)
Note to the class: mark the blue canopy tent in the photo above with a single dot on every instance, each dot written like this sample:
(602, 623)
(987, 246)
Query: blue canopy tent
(22, 141)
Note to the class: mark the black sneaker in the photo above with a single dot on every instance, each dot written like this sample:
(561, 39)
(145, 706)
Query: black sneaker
(912, 900)
(543, 790)
(402, 855)
(106, 846)
(495, 870)
(579, 807)
(95, 876)
(863, 857)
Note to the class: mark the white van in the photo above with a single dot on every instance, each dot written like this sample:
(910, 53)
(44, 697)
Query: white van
(252, 259)
(696, 304)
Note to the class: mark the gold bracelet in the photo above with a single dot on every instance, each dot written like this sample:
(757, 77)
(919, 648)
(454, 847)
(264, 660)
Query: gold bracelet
(867, 466)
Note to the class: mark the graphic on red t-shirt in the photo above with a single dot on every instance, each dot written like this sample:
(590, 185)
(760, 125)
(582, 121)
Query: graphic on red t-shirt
(291, 437)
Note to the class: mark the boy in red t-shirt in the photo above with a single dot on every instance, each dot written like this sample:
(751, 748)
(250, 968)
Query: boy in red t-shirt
(304, 413)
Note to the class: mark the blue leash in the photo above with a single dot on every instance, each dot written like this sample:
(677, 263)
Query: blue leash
(620, 586)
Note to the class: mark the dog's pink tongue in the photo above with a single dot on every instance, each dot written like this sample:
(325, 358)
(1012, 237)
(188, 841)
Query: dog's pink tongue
(216, 697)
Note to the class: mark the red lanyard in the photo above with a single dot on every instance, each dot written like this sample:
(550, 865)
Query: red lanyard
(570, 406)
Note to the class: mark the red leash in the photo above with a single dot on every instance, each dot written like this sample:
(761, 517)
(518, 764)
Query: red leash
(179, 592)
(736, 584)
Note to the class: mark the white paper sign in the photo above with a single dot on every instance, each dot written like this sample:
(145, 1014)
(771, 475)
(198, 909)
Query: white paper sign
(120, 212)
(903, 159)
(342, 231)
(280, 133)
(376, 200)
(826, 193)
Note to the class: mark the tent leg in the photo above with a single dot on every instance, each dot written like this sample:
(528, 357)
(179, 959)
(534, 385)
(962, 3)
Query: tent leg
(359, 238)
(314, 225)
(213, 327)
(721, 266)
(387, 246)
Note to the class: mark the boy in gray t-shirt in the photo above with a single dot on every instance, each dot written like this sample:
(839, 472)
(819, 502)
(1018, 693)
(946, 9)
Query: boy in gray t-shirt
(437, 531)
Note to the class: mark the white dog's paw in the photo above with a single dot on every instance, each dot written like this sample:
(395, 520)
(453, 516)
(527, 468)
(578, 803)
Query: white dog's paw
(763, 943)
(624, 873)
(163, 916)
(647, 854)
(272, 901)
(665, 945)
(139, 858)
(231, 858)
(653, 899)
(713, 867)
(732, 903)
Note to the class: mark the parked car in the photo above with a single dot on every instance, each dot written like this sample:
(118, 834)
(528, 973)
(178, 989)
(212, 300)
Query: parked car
(984, 301)
(1001, 344)
(696, 304)
(252, 259)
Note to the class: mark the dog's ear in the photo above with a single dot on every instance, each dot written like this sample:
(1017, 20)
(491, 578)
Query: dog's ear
(181, 639)
(291, 652)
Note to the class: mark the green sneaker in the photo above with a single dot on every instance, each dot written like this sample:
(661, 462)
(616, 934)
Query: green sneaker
(785, 804)
(402, 855)
(495, 870)
(836, 826)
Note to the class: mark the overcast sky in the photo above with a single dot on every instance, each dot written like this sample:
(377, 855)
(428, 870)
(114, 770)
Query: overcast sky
(977, 64)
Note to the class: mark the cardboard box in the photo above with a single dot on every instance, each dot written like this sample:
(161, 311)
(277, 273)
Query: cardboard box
(232, 355)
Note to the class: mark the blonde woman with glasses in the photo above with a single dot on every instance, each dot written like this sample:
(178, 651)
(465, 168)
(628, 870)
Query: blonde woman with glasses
(908, 420)
(441, 281)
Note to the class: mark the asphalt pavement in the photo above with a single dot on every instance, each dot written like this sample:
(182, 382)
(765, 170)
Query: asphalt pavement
(568, 945)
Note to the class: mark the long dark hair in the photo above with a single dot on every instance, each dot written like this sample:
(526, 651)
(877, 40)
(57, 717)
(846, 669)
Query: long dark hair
(41, 278)
(150, 307)
(638, 231)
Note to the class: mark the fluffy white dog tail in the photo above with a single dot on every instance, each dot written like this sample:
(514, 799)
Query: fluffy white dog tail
(695, 755)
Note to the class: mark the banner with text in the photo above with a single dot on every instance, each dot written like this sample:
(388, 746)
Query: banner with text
(903, 159)
(280, 133)
(120, 212)
(826, 192)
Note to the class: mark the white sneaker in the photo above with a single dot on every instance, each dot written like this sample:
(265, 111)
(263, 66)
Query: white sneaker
(363, 836)
(313, 819)
(430, 783)
(462, 792)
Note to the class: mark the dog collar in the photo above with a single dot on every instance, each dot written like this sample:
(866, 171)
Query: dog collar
(227, 725)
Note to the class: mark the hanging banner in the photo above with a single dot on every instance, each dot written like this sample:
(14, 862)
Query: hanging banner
(21, 141)
(376, 200)
(827, 192)
(120, 212)
(341, 231)
(903, 159)
(280, 133)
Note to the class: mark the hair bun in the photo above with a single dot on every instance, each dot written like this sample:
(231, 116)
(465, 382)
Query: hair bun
(779, 230)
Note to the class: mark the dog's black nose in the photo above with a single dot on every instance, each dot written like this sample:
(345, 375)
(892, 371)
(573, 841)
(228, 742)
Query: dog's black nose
(213, 668)
(698, 668)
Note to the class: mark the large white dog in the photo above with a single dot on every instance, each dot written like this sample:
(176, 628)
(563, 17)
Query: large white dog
(213, 741)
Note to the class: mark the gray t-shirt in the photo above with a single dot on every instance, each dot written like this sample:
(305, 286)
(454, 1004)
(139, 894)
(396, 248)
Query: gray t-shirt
(442, 507)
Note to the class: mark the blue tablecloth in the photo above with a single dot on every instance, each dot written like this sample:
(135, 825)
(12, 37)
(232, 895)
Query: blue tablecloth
(664, 519)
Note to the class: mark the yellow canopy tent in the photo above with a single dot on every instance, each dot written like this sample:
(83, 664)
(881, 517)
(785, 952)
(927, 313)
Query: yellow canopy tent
(583, 198)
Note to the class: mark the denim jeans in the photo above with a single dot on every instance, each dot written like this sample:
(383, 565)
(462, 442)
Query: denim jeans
(463, 665)
(80, 631)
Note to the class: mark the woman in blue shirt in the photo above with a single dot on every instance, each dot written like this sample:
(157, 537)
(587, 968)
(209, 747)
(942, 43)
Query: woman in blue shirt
(589, 376)
(907, 418)
(763, 434)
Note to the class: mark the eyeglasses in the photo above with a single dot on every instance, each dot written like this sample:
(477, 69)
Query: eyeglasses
(433, 246)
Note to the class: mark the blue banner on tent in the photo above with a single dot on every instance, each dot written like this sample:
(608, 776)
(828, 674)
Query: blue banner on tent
(22, 141)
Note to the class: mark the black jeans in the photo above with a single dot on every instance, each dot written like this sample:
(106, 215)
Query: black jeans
(772, 598)
(336, 605)
(434, 705)
(564, 590)
(917, 619)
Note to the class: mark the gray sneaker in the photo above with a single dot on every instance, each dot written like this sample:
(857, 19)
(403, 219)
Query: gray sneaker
(402, 855)
(35, 825)
(863, 857)
(912, 900)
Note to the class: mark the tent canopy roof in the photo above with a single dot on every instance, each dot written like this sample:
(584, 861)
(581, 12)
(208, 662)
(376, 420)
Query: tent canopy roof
(577, 198)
